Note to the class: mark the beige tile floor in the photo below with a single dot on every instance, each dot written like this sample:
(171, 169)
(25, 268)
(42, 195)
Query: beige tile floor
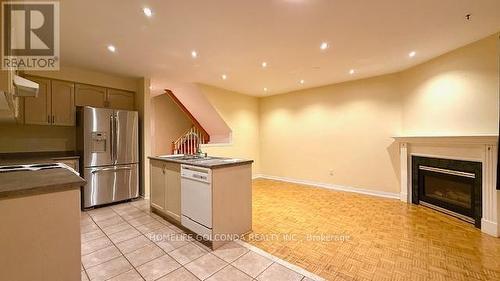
(127, 242)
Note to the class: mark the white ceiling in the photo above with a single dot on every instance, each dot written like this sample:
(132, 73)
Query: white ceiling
(235, 36)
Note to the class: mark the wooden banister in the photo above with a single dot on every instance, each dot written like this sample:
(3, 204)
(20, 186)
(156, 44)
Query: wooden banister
(206, 136)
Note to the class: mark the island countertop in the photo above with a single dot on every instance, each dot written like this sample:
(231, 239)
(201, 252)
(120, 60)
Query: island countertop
(25, 183)
(209, 162)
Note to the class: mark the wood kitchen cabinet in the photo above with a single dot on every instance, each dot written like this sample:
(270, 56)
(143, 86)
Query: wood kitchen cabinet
(118, 99)
(158, 185)
(166, 188)
(55, 104)
(37, 111)
(88, 95)
(63, 103)
(173, 190)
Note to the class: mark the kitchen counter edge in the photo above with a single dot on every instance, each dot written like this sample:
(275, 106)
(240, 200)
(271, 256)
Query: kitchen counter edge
(212, 166)
(35, 186)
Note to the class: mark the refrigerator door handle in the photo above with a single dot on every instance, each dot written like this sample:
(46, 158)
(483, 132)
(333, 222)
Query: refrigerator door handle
(111, 169)
(112, 138)
(115, 134)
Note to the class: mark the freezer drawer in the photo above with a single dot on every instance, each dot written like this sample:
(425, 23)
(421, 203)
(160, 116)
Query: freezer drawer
(110, 184)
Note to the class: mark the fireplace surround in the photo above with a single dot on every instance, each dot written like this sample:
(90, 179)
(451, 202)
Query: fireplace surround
(447, 185)
(474, 148)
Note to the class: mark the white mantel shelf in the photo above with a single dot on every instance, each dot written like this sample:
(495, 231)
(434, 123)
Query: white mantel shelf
(472, 139)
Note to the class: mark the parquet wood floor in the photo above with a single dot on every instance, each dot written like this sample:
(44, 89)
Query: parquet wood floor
(384, 239)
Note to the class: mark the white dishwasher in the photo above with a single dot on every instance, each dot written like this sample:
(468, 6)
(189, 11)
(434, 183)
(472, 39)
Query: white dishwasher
(196, 199)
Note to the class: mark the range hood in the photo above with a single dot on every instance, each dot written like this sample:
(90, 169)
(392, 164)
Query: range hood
(10, 100)
(24, 87)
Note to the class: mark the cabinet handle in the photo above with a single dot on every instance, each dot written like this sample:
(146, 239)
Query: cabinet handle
(53, 119)
(48, 119)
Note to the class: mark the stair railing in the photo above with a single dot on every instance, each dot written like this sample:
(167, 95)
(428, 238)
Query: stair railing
(189, 143)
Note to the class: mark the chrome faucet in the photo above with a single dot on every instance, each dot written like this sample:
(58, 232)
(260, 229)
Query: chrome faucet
(201, 153)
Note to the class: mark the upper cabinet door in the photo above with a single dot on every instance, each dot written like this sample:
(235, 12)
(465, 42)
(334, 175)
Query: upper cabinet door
(118, 99)
(37, 110)
(63, 103)
(90, 95)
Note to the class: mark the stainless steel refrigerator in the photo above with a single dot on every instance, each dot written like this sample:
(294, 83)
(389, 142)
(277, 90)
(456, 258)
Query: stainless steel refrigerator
(108, 143)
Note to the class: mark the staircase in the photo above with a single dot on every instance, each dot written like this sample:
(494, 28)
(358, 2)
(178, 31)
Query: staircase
(192, 100)
(189, 142)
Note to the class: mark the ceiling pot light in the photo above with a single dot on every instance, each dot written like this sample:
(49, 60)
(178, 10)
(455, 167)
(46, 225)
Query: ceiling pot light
(265, 89)
(224, 76)
(148, 12)
(194, 54)
(351, 71)
(302, 81)
(111, 48)
(264, 64)
(412, 54)
(324, 46)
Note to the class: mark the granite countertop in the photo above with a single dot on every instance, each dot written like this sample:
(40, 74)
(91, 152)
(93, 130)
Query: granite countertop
(35, 157)
(25, 183)
(211, 162)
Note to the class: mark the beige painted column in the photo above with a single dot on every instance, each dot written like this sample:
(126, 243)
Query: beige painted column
(143, 103)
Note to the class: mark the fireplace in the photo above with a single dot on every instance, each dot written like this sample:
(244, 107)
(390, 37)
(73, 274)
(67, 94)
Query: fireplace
(450, 186)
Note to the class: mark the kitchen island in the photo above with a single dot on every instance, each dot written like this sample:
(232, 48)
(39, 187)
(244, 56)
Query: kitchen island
(40, 224)
(207, 196)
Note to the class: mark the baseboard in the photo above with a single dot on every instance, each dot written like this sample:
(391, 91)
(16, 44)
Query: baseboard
(256, 176)
(333, 186)
(490, 228)
(403, 197)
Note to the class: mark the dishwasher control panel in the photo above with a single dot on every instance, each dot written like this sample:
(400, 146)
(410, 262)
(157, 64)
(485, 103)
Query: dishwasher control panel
(196, 173)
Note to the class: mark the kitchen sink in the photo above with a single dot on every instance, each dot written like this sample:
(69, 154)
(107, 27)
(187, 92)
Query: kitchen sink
(188, 157)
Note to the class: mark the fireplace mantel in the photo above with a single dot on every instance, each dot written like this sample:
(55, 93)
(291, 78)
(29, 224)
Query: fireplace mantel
(431, 139)
(480, 148)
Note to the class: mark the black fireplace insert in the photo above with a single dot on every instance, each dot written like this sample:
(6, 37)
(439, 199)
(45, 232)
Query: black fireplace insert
(449, 186)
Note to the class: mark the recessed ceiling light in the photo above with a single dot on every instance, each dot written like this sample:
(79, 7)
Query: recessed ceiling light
(151, 87)
(224, 76)
(194, 54)
(302, 81)
(147, 12)
(351, 71)
(265, 89)
(324, 46)
(111, 48)
(412, 54)
(264, 64)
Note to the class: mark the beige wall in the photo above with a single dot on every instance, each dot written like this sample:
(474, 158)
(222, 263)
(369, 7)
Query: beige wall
(348, 127)
(454, 94)
(241, 113)
(20, 138)
(168, 124)
(345, 129)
